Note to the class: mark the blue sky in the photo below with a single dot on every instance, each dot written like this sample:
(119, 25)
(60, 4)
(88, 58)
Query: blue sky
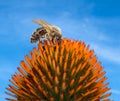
(96, 22)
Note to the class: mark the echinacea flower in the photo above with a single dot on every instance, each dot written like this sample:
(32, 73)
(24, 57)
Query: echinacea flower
(66, 71)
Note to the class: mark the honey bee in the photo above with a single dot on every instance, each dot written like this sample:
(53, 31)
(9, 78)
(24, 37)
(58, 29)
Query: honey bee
(46, 32)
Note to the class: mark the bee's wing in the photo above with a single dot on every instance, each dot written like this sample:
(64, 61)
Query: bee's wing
(41, 22)
(44, 24)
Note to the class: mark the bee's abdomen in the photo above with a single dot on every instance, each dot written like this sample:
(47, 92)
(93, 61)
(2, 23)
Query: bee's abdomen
(37, 34)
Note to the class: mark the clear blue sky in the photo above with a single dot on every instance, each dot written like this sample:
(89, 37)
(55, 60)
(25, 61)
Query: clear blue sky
(97, 22)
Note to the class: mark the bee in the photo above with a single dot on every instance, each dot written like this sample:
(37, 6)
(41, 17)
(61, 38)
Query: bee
(46, 32)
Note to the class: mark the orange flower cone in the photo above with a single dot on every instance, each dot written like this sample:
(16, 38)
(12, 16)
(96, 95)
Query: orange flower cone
(67, 71)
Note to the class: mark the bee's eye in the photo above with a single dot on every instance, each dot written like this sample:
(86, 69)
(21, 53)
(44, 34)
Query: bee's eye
(53, 31)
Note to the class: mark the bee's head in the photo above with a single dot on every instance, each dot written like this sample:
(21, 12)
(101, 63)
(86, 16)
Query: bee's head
(56, 29)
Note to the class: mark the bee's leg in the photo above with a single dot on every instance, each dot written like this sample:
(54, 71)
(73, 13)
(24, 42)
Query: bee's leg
(53, 38)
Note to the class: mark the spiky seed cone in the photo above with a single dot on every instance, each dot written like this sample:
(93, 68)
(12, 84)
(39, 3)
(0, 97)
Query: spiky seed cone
(68, 71)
